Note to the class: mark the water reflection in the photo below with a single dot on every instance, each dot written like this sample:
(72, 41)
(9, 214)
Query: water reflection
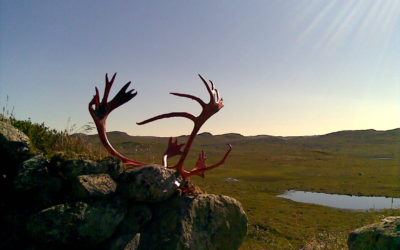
(343, 201)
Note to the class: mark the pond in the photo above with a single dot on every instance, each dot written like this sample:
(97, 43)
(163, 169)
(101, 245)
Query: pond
(343, 201)
(383, 158)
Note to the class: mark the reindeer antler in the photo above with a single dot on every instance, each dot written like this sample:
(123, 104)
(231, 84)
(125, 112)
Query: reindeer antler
(100, 111)
(209, 109)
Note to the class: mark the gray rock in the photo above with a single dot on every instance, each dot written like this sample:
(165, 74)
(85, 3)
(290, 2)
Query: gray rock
(112, 165)
(71, 168)
(33, 174)
(14, 149)
(201, 222)
(137, 216)
(15, 143)
(126, 242)
(12, 233)
(383, 235)
(151, 183)
(127, 235)
(76, 223)
(93, 185)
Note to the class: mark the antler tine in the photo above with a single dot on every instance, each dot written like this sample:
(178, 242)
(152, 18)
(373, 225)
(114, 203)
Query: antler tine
(190, 97)
(96, 98)
(221, 162)
(122, 97)
(173, 149)
(201, 167)
(168, 115)
(108, 87)
(212, 85)
(215, 92)
(207, 85)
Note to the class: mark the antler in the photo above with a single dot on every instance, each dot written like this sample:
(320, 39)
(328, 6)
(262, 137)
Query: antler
(208, 110)
(173, 149)
(100, 111)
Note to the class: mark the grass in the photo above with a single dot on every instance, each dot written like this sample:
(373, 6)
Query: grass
(277, 223)
(51, 141)
(342, 163)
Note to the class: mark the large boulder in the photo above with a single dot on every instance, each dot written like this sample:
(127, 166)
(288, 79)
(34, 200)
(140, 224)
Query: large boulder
(151, 183)
(383, 235)
(93, 185)
(76, 223)
(205, 221)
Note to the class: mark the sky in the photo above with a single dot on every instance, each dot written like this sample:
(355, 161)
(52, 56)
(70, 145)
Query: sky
(286, 68)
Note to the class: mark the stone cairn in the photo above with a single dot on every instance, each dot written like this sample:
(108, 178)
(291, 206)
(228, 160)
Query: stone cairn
(62, 203)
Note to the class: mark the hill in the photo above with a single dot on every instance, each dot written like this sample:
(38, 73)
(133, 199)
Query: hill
(359, 143)
(364, 143)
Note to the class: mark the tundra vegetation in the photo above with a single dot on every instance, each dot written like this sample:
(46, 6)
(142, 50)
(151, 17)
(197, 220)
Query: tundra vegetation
(349, 162)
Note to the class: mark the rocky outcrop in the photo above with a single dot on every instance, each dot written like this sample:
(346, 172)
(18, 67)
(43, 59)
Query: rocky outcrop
(383, 235)
(63, 203)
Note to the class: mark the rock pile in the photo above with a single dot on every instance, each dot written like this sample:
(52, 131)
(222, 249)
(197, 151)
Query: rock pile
(62, 203)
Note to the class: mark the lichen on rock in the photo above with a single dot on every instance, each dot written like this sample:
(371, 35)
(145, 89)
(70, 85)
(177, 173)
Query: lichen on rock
(93, 185)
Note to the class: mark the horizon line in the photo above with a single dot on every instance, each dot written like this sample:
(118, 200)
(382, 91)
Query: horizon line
(205, 132)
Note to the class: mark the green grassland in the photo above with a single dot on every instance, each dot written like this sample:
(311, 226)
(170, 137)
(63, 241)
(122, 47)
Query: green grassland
(348, 162)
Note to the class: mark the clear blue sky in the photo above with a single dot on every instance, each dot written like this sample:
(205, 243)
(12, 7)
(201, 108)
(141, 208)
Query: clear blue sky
(283, 67)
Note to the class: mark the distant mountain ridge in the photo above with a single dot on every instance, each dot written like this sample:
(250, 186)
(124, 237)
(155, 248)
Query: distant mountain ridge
(359, 143)
(344, 133)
